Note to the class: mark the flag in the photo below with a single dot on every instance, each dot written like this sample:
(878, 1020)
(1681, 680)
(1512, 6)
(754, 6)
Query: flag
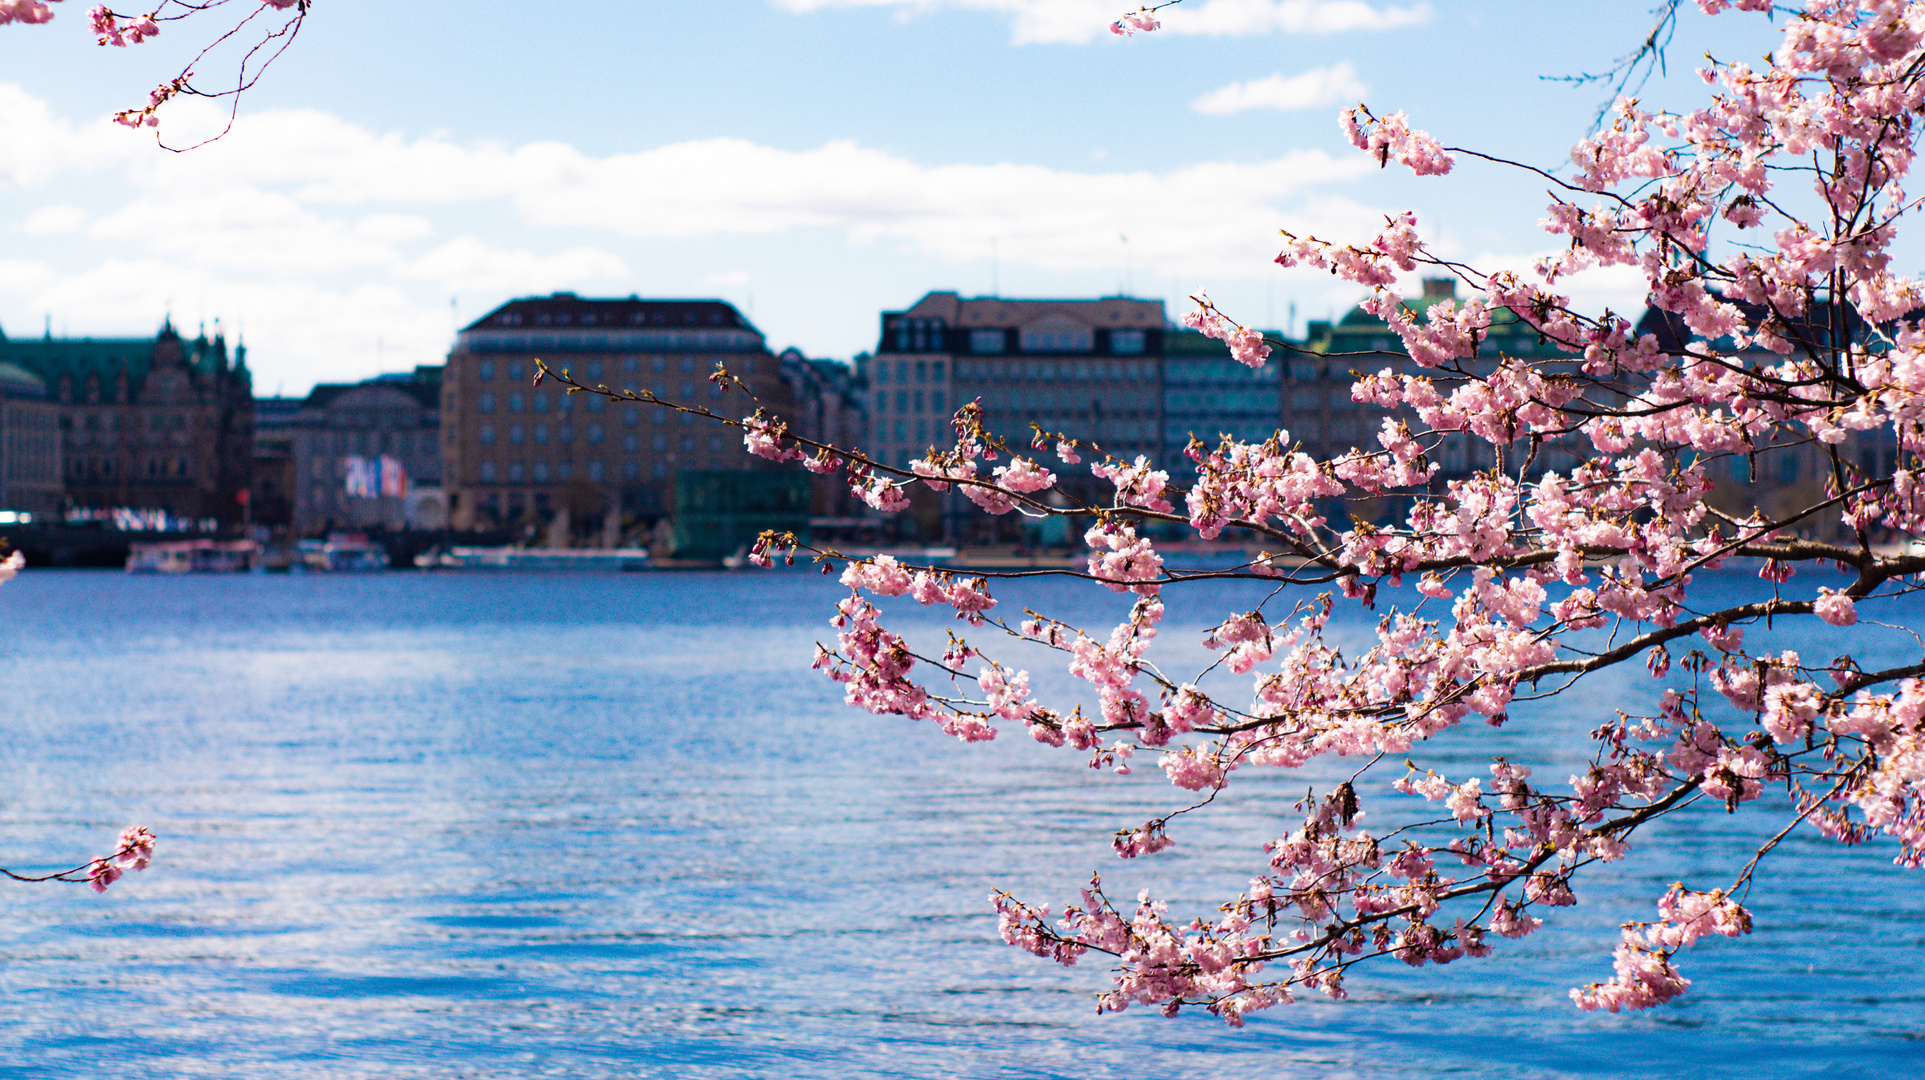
(363, 477)
(394, 478)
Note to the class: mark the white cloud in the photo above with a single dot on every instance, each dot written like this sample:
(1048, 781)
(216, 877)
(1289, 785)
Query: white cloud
(1078, 21)
(1316, 88)
(466, 264)
(35, 145)
(318, 234)
(244, 228)
(257, 199)
(54, 220)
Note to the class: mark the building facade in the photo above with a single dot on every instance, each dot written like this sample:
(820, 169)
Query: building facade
(161, 423)
(516, 452)
(1207, 395)
(30, 473)
(831, 406)
(362, 455)
(1091, 369)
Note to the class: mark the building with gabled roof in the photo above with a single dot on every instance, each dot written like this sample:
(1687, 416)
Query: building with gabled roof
(160, 423)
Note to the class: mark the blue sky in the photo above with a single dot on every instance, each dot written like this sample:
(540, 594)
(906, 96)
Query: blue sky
(813, 161)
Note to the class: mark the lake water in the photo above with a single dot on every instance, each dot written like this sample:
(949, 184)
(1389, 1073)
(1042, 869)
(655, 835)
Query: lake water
(510, 825)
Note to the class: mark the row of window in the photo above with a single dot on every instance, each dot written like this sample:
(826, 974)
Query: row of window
(539, 433)
(542, 471)
(909, 401)
(1048, 371)
(368, 442)
(595, 370)
(153, 468)
(539, 401)
(900, 371)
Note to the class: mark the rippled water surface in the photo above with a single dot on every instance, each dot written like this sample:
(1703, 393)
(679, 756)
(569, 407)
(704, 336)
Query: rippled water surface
(518, 825)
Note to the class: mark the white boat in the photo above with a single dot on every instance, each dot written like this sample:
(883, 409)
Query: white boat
(341, 553)
(192, 557)
(515, 558)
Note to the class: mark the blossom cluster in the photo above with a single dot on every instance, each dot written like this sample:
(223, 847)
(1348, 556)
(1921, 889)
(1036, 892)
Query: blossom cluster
(1606, 487)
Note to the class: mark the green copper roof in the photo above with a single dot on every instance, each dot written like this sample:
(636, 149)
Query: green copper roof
(77, 358)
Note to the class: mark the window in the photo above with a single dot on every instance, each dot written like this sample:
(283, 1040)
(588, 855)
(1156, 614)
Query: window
(564, 434)
(565, 469)
(631, 470)
(516, 371)
(487, 472)
(515, 473)
(515, 434)
(541, 401)
(485, 371)
(660, 364)
(597, 403)
(935, 400)
(688, 391)
(922, 371)
(688, 364)
(595, 433)
(630, 443)
(541, 434)
(656, 469)
(935, 370)
(688, 444)
(486, 403)
(487, 434)
(541, 472)
(659, 443)
(516, 403)
(631, 364)
(902, 401)
(594, 369)
(1057, 339)
(595, 469)
(1126, 342)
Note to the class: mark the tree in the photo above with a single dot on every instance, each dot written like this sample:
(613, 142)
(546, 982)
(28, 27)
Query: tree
(118, 29)
(1571, 554)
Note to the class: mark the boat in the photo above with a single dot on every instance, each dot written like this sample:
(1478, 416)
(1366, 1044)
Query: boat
(341, 553)
(516, 558)
(192, 557)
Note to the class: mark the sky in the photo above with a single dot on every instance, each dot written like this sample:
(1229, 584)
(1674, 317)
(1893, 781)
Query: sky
(405, 168)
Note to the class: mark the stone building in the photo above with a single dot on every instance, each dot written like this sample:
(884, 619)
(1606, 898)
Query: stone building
(161, 423)
(831, 406)
(516, 452)
(30, 473)
(1208, 394)
(1087, 368)
(361, 455)
(1318, 408)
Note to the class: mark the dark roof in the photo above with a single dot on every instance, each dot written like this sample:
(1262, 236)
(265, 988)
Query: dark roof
(567, 309)
(77, 358)
(426, 392)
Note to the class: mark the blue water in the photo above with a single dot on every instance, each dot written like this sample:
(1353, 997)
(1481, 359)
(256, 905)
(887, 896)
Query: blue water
(510, 825)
